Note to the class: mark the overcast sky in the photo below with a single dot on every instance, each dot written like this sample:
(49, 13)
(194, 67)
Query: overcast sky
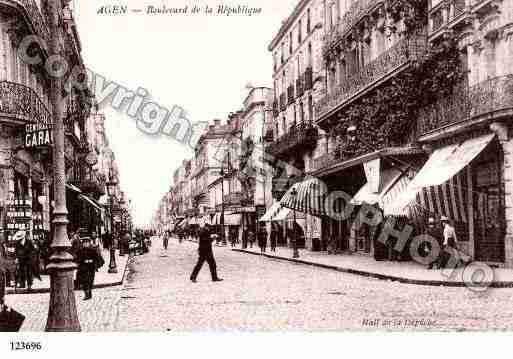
(200, 63)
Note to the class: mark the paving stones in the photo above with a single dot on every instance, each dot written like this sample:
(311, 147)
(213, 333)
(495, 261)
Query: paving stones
(261, 294)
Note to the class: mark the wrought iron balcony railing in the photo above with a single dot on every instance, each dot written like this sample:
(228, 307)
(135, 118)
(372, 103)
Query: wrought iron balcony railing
(21, 103)
(33, 14)
(450, 11)
(402, 54)
(302, 136)
(490, 96)
(356, 12)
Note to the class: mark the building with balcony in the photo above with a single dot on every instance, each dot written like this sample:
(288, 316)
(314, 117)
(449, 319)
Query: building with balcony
(416, 112)
(292, 136)
(26, 115)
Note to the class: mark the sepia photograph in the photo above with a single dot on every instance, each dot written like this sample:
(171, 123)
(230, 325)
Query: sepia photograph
(262, 166)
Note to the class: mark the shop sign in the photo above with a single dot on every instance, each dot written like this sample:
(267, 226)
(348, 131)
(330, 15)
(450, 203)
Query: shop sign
(38, 135)
(372, 173)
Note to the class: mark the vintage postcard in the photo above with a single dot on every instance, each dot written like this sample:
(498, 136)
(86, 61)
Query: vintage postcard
(255, 166)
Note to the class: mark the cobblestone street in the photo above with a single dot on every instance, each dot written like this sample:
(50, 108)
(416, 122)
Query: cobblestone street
(263, 294)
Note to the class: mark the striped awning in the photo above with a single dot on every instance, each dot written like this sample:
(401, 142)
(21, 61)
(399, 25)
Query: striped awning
(287, 214)
(271, 212)
(309, 199)
(440, 187)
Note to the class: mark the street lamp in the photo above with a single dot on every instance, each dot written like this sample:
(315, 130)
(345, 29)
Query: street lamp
(294, 234)
(62, 309)
(111, 187)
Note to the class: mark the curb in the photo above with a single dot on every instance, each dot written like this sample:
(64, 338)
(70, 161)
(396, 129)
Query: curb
(377, 275)
(10, 291)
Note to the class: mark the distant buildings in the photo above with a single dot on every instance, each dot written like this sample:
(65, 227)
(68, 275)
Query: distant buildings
(402, 105)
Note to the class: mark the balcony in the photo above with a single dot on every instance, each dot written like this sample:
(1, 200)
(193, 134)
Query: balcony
(356, 12)
(302, 136)
(389, 63)
(34, 17)
(91, 183)
(490, 97)
(21, 103)
(447, 12)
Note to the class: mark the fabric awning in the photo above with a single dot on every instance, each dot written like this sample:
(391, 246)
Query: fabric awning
(183, 223)
(270, 213)
(73, 188)
(91, 201)
(287, 214)
(388, 176)
(437, 186)
(309, 199)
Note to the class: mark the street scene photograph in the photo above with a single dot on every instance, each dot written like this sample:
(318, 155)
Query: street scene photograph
(255, 167)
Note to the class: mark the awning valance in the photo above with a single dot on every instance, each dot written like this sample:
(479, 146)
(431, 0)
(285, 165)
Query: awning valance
(436, 186)
(309, 198)
(73, 188)
(287, 214)
(271, 212)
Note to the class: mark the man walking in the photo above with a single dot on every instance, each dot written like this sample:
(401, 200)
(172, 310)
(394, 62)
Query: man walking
(166, 240)
(205, 254)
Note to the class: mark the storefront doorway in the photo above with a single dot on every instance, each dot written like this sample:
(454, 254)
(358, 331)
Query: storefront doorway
(488, 204)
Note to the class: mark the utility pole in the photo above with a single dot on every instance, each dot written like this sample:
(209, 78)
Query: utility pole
(62, 311)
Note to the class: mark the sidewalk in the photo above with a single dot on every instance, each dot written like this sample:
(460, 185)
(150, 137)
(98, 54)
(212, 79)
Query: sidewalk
(403, 272)
(103, 278)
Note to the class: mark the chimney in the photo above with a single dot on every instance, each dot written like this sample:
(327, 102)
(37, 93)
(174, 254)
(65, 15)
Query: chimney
(217, 122)
(210, 127)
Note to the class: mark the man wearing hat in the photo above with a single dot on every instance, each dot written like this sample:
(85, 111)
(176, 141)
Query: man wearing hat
(434, 231)
(25, 252)
(205, 253)
(89, 261)
(450, 238)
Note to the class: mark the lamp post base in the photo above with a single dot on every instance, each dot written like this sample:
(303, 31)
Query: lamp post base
(113, 268)
(295, 254)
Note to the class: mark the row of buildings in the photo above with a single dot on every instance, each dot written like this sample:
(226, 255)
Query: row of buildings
(405, 105)
(26, 135)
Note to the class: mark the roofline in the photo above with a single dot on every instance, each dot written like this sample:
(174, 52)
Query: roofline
(287, 24)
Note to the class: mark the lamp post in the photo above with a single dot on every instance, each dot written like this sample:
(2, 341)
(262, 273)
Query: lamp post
(62, 309)
(223, 239)
(111, 187)
(294, 234)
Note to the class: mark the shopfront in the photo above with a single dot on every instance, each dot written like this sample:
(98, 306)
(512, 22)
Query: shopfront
(462, 181)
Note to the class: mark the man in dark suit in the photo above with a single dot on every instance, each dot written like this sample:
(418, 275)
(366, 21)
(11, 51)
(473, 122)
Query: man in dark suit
(205, 254)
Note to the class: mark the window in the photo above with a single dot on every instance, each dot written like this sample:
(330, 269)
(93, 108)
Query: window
(309, 55)
(310, 109)
(299, 37)
(284, 125)
(301, 113)
(308, 21)
(290, 43)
